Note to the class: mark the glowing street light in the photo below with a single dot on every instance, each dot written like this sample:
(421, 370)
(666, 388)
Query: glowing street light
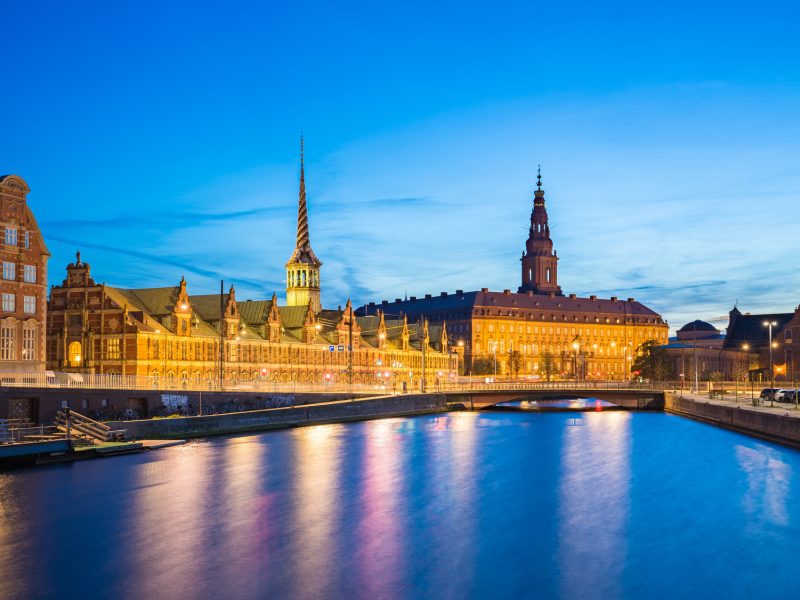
(771, 324)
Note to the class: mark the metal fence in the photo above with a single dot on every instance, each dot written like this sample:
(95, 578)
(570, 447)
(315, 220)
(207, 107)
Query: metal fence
(56, 380)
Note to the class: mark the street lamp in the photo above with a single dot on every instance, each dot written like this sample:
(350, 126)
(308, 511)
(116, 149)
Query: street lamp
(575, 346)
(770, 325)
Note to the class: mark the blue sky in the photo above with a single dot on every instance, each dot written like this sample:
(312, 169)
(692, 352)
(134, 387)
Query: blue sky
(162, 141)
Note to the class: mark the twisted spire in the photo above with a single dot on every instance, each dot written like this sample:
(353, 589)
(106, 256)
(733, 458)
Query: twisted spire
(539, 178)
(302, 211)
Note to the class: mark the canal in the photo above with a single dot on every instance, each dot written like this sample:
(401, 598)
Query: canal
(461, 505)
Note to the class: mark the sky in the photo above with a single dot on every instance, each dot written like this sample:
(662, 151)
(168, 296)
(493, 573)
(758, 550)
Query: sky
(161, 139)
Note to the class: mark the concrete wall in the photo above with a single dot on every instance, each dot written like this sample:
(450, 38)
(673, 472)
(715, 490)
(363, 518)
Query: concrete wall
(257, 420)
(44, 402)
(770, 425)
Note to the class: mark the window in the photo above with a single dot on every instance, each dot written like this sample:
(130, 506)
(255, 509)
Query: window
(26, 239)
(11, 236)
(29, 304)
(9, 302)
(7, 343)
(548, 275)
(28, 344)
(29, 273)
(787, 336)
(112, 349)
(9, 270)
(75, 354)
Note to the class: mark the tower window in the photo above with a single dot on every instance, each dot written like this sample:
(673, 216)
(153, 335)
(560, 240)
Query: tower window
(548, 275)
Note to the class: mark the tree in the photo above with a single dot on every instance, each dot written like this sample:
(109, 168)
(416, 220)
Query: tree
(514, 362)
(482, 366)
(547, 365)
(653, 362)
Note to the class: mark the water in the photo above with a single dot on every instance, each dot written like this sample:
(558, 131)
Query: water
(559, 404)
(466, 505)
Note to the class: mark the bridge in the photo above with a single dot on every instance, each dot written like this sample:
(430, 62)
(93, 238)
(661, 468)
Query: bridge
(624, 395)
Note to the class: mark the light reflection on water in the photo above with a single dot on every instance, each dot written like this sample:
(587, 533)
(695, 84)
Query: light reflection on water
(593, 505)
(464, 505)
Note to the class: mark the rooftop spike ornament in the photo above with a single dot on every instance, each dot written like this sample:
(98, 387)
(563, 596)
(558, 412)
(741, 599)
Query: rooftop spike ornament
(539, 178)
(302, 269)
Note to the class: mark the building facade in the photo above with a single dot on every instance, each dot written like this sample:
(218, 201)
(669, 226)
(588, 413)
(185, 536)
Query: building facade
(24, 281)
(183, 340)
(538, 331)
(699, 354)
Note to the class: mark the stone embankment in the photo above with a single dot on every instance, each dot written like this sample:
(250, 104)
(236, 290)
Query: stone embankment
(293, 416)
(776, 424)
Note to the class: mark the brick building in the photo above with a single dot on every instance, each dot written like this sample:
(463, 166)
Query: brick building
(180, 339)
(24, 281)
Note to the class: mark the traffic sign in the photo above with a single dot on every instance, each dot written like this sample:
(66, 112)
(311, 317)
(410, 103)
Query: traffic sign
(331, 348)
(341, 348)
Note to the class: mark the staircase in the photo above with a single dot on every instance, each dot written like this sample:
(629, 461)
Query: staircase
(85, 431)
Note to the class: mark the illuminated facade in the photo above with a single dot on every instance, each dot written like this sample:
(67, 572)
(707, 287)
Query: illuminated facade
(24, 281)
(183, 340)
(539, 331)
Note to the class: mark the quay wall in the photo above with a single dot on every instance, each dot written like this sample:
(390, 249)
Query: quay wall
(259, 420)
(41, 404)
(768, 425)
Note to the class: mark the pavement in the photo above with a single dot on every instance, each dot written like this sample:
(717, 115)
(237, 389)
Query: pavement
(745, 402)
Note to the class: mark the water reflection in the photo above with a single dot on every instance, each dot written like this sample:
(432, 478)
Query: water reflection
(594, 505)
(768, 482)
(167, 522)
(379, 544)
(316, 505)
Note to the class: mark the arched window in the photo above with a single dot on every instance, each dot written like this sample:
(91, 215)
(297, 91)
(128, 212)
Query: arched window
(548, 275)
(787, 336)
(303, 278)
(75, 356)
(530, 274)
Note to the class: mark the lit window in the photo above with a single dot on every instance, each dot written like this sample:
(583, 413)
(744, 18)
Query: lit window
(29, 273)
(28, 344)
(9, 270)
(75, 354)
(112, 349)
(7, 343)
(29, 304)
(11, 236)
(9, 302)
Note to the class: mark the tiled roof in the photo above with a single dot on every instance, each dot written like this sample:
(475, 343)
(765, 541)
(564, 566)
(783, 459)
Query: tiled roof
(444, 304)
(750, 329)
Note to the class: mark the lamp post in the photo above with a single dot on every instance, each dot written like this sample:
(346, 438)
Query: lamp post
(494, 351)
(746, 347)
(575, 347)
(770, 325)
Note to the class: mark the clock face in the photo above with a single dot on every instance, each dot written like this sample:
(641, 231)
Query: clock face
(113, 324)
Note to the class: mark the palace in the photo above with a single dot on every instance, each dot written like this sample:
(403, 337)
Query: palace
(538, 331)
(182, 339)
(24, 281)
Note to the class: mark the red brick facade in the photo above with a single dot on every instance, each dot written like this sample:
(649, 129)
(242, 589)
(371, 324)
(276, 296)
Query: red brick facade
(23, 280)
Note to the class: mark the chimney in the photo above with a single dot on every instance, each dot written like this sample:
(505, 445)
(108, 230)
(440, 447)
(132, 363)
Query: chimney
(592, 297)
(443, 294)
(572, 296)
(460, 292)
(613, 298)
(427, 296)
(631, 300)
(507, 292)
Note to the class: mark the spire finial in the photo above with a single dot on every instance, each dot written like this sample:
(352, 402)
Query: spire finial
(78, 257)
(302, 212)
(539, 178)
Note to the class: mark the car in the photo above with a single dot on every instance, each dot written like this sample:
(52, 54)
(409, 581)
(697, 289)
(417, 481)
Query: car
(785, 395)
(769, 393)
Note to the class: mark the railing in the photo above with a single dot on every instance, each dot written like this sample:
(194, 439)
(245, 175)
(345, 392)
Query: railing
(50, 379)
(74, 424)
